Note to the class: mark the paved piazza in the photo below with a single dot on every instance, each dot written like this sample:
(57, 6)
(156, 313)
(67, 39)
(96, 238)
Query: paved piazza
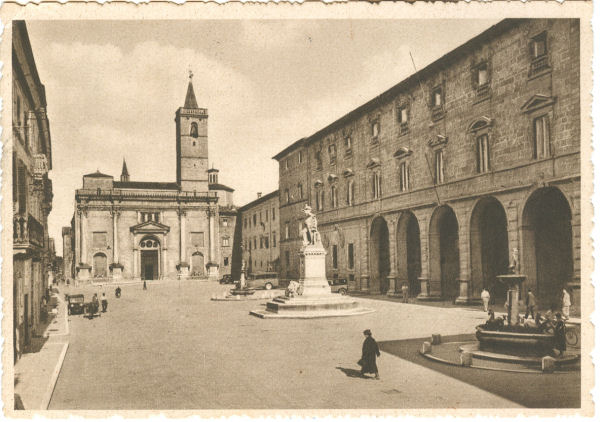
(171, 347)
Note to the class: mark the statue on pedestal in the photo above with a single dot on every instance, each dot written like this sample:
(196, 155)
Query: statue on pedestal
(514, 266)
(310, 232)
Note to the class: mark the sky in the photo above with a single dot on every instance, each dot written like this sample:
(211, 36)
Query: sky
(113, 87)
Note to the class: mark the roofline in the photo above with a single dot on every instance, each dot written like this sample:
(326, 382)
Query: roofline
(416, 77)
(259, 200)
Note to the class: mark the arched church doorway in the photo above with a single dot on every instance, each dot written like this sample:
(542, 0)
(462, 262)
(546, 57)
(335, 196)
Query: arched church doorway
(198, 268)
(100, 266)
(409, 252)
(379, 253)
(443, 253)
(149, 257)
(547, 245)
(489, 248)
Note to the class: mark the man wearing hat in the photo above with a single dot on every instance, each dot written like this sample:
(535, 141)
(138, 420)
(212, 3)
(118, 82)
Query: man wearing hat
(370, 352)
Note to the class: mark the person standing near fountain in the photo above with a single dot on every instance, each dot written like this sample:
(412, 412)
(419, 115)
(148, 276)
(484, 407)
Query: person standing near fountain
(485, 298)
(566, 303)
(370, 352)
(560, 335)
(530, 304)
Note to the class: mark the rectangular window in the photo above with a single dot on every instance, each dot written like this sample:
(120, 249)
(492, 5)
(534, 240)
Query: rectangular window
(437, 97)
(404, 182)
(375, 129)
(273, 214)
(226, 261)
(348, 142)
(300, 158)
(333, 197)
(245, 222)
(225, 241)
(332, 153)
(261, 242)
(22, 176)
(300, 191)
(350, 192)
(483, 155)
(538, 46)
(439, 167)
(375, 186)
(541, 135)
(255, 244)
(287, 196)
(254, 220)
(197, 239)
(287, 163)
(334, 256)
(274, 239)
(403, 115)
(287, 231)
(224, 222)
(351, 256)
(267, 241)
(482, 75)
(287, 259)
(99, 239)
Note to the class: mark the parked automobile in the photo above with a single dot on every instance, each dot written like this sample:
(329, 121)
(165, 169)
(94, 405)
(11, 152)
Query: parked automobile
(263, 281)
(226, 279)
(339, 285)
(76, 304)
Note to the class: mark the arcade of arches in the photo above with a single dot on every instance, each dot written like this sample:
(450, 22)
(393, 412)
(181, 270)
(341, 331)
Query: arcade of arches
(542, 233)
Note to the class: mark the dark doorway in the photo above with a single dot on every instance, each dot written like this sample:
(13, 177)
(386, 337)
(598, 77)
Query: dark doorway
(489, 249)
(379, 253)
(100, 269)
(150, 265)
(547, 244)
(409, 252)
(197, 264)
(444, 256)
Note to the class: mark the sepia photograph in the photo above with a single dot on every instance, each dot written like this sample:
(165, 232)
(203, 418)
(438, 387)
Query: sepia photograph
(273, 213)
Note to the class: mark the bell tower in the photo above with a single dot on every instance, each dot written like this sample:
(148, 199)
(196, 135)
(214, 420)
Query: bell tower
(192, 144)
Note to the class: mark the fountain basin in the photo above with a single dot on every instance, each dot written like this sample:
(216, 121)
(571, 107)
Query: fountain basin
(515, 343)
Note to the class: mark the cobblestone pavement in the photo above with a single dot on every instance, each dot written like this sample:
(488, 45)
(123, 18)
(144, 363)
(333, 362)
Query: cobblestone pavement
(171, 347)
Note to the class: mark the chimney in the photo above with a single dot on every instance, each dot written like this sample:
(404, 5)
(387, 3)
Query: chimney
(258, 194)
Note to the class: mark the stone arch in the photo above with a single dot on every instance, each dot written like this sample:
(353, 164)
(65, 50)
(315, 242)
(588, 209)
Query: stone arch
(489, 247)
(547, 244)
(444, 260)
(100, 265)
(408, 250)
(194, 130)
(379, 256)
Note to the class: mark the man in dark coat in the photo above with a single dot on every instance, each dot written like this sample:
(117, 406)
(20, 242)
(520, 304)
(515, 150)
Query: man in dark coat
(370, 351)
(560, 334)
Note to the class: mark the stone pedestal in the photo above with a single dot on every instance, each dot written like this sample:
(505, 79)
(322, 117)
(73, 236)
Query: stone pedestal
(424, 295)
(117, 271)
(212, 270)
(512, 281)
(183, 270)
(463, 293)
(316, 300)
(83, 272)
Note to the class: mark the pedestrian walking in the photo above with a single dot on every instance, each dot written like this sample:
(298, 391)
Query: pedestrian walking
(485, 298)
(530, 304)
(560, 334)
(370, 352)
(566, 304)
(145, 287)
(104, 302)
(404, 292)
(118, 291)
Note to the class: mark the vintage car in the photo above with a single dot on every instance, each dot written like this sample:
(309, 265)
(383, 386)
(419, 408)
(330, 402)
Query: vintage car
(76, 304)
(339, 285)
(226, 279)
(262, 281)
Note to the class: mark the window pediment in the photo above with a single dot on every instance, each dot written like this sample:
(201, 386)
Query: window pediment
(150, 227)
(438, 140)
(480, 123)
(348, 172)
(536, 102)
(332, 177)
(318, 183)
(402, 152)
(373, 162)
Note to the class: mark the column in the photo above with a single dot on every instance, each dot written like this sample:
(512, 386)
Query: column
(115, 216)
(211, 235)
(393, 276)
(135, 262)
(83, 257)
(182, 245)
(424, 238)
(464, 258)
(364, 257)
(77, 256)
(164, 255)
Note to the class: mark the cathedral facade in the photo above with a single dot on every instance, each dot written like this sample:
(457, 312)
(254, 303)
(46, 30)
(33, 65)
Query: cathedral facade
(157, 230)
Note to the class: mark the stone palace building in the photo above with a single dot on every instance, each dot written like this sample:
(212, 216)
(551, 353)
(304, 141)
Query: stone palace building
(154, 230)
(31, 191)
(437, 181)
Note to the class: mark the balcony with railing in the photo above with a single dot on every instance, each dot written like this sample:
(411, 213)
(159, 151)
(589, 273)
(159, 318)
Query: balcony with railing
(40, 165)
(125, 194)
(27, 231)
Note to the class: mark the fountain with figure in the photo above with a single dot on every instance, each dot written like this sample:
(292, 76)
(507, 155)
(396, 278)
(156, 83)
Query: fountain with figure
(311, 296)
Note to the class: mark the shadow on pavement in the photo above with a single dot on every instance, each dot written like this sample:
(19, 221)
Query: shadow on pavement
(352, 373)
